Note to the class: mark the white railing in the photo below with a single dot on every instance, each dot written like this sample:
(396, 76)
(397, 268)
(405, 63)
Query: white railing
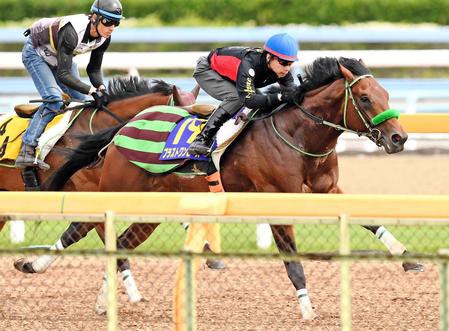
(131, 61)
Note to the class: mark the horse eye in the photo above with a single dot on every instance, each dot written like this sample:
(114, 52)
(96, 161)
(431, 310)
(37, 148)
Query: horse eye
(365, 99)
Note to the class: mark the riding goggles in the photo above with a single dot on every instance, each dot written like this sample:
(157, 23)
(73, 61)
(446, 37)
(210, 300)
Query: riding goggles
(107, 22)
(285, 63)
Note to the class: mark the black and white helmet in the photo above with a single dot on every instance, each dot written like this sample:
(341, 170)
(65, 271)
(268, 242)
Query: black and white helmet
(109, 9)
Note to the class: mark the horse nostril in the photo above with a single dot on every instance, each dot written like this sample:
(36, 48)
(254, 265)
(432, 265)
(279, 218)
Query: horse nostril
(397, 139)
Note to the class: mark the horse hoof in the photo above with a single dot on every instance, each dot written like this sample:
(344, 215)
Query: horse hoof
(215, 264)
(100, 310)
(24, 266)
(413, 267)
(309, 315)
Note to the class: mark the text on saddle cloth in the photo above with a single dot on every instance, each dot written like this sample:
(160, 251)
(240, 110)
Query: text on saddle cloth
(185, 132)
(12, 128)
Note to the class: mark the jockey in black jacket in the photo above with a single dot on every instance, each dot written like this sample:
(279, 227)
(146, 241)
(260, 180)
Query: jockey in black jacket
(232, 74)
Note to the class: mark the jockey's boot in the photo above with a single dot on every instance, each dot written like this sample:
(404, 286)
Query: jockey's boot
(27, 158)
(202, 142)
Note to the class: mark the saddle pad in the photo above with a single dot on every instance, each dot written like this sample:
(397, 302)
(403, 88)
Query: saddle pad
(180, 139)
(142, 140)
(157, 139)
(12, 128)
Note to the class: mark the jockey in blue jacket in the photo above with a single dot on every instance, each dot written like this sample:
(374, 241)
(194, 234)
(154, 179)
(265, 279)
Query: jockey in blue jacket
(47, 56)
(232, 74)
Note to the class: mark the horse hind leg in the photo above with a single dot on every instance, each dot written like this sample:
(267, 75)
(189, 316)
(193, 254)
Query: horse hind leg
(74, 233)
(285, 241)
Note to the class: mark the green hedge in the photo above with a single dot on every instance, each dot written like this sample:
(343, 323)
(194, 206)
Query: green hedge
(259, 12)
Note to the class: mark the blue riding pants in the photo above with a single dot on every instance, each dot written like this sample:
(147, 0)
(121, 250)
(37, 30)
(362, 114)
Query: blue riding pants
(49, 87)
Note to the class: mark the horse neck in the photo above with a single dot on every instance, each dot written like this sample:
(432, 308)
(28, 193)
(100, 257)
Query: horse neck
(325, 102)
(89, 122)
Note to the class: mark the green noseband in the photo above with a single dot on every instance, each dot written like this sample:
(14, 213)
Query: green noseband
(384, 116)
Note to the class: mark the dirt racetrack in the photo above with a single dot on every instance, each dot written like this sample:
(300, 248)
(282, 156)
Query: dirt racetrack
(248, 294)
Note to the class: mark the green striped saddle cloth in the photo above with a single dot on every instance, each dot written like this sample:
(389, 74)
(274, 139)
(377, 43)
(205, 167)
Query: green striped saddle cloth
(157, 138)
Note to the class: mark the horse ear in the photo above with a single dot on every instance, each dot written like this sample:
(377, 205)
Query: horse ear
(196, 91)
(362, 63)
(176, 96)
(347, 74)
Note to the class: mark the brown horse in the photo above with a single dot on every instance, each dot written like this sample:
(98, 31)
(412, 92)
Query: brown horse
(291, 151)
(128, 96)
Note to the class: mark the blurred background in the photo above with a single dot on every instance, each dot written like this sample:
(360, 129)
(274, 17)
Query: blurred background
(406, 46)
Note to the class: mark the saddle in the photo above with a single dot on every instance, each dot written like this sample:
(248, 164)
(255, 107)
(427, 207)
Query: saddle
(203, 110)
(12, 128)
(27, 110)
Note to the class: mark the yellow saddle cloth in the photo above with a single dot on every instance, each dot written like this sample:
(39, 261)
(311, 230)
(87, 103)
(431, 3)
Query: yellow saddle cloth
(12, 128)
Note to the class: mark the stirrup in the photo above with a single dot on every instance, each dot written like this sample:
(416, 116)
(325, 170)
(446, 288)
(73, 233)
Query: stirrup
(199, 149)
(41, 165)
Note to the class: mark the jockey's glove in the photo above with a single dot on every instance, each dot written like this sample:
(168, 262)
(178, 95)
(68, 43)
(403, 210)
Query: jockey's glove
(100, 99)
(288, 96)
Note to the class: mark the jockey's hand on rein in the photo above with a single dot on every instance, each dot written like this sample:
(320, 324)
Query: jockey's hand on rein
(100, 99)
(242, 117)
(288, 96)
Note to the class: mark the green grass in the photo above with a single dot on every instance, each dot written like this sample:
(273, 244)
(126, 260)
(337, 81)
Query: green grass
(241, 238)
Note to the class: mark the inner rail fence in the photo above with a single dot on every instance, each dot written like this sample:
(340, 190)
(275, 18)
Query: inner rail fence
(132, 62)
(249, 208)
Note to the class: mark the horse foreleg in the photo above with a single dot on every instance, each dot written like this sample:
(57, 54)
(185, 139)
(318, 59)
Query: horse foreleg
(285, 241)
(131, 238)
(74, 233)
(394, 246)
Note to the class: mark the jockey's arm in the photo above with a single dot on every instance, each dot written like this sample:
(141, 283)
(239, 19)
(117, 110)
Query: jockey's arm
(247, 90)
(94, 67)
(67, 42)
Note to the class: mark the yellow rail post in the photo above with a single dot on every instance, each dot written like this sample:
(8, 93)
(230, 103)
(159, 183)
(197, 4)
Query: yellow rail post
(444, 290)
(345, 274)
(111, 248)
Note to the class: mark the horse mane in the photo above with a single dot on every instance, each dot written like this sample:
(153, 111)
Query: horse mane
(133, 86)
(323, 71)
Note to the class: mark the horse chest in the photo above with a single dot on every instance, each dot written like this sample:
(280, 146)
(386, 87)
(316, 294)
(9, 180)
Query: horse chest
(319, 178)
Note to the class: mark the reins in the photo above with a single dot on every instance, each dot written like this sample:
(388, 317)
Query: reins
(373, 134)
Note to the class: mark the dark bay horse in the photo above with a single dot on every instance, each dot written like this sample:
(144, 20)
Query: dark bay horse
(291, 151)
(128, 96)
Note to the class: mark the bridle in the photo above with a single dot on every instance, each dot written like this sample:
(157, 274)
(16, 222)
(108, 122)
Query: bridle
(372, 132)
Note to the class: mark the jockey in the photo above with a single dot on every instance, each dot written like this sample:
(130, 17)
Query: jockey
(47, 56)
(232, 74)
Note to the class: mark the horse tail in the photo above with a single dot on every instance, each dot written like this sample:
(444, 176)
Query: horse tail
(77, 158)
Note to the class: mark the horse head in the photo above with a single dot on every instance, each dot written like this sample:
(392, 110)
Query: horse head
(366, 110)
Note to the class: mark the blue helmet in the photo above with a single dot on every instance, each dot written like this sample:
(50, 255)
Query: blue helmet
(110, 9)
(283, 46)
